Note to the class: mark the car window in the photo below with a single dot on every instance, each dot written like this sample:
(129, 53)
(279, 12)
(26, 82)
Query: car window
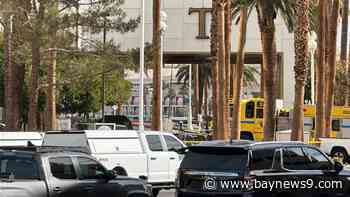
(262, 159)
(216, 159)
(62, 168)
(250, 108)
(90, 169)
(154, 142)
(316, 160)
(17, 165)
(294, 159)
(172, 143)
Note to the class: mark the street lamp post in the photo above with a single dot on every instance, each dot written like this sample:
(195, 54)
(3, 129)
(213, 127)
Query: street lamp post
(312, 47)
(163, 27)
(142, 65)
(190, 99)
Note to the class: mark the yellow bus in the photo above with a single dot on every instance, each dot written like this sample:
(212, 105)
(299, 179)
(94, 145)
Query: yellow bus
(251, 115)
(252, 111)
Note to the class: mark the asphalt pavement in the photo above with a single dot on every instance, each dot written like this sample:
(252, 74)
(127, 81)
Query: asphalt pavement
(167, 193)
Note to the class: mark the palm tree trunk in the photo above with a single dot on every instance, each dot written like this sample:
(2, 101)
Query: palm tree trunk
(19, 74)
(214, 62)
(33, 86)
(320, 71)
(344, 32)
(222, 113)
(330, 79)
(156, 69)
(51, 91)
(8, 74)
(228, 44)
(268, 38)
(235, 132)
(301, 40)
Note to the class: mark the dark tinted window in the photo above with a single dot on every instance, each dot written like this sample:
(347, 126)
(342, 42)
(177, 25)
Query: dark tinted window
(294, 159)
(336, 125)
(249, 111)
(18, 166)
(90, 169)
(172, 143)
(316, 160)
(216, 160)
(62, 168)
(154, 142)
(262, 159)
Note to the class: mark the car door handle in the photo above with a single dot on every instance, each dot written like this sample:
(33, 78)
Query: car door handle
(57, 189)
(172, 158)
(153, 158)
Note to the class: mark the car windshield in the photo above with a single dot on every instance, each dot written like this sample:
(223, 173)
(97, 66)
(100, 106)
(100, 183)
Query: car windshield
(212, 159)
(18, 166)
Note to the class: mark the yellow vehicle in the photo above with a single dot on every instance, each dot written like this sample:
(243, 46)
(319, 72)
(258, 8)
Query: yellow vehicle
(340, 119)
(252, 111)
(251, 115)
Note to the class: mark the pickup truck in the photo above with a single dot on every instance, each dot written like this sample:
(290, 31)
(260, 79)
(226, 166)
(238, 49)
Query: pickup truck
(61, 172)
(149, 154)
(338, 149)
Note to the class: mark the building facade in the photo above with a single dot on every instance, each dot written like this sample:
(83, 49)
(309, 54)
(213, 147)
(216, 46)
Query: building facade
(187, 38)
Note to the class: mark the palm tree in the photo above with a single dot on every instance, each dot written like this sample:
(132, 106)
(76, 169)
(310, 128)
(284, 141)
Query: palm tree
(235, 129)
(344, 31)
(215, 66)
(301, 62)
(228, 44)
(332, 52)
(222, 93)
(267, 11)
(320, 70)
(156, 69)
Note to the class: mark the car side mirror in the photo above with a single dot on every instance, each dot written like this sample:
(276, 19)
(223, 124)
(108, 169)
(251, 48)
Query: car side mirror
(109, 175)
(338, 166)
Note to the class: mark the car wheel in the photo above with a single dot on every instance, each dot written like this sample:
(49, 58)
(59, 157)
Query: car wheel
(339, 155)
(155, 192)
(120, 171)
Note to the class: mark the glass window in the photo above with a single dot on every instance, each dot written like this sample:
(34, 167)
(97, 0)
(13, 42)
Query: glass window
(90, 169)
(154, 142)
(336, 125)
(262, 159)
(259, 113)
(294, 159)
(316, 160)
(18, 166)
(216, 159)
(62, 168)
(172, 143)
(249, 111)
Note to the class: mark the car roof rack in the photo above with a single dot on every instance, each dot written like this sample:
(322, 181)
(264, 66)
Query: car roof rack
(47, 149)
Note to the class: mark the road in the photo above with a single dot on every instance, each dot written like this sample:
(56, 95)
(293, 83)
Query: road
(167, 193)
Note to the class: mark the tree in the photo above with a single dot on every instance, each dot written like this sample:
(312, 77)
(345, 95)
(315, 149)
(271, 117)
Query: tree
(156, 116)
(344, 31)
(320, 70)
(300, 68)
(238, 78)
(215, 65)
(332, 55)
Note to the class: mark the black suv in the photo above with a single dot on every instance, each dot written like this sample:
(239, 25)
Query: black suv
(61, 172)
(249, 169)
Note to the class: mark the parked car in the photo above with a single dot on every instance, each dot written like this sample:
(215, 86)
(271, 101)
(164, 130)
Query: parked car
(61, 172)
(20, 138)
(148, 154)
(339, 149)
(209, 166)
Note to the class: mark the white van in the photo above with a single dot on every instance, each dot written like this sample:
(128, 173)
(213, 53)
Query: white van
(20, 138)
(132, 153)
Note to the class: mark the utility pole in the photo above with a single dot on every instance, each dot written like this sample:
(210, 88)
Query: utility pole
(142, 65)
(103, 72)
